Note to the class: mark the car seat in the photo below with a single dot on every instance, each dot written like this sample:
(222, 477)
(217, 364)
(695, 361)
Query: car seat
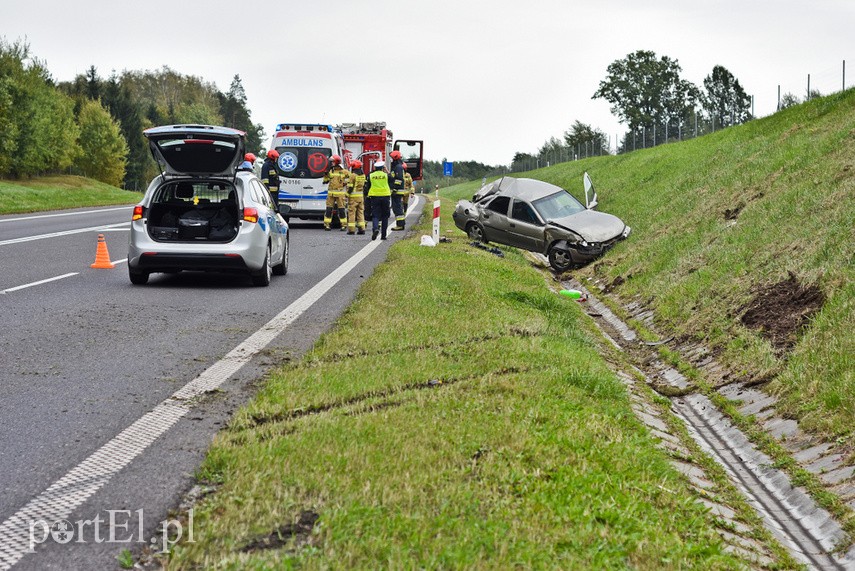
(184, 191)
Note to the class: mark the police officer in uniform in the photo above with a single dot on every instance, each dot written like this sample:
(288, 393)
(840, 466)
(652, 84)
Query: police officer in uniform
(337, 179)
(355, 199)
(379, 193)
(270, 176)
(396, 181)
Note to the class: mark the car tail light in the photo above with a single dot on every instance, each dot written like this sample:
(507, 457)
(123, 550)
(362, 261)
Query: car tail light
(250, 214)
(138, 212)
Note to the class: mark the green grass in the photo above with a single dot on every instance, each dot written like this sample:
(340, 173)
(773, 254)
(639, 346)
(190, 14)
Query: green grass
(792, 175)
(456, 418)
(58, 192)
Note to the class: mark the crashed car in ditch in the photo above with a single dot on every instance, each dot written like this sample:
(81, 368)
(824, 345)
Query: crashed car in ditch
(540, 217)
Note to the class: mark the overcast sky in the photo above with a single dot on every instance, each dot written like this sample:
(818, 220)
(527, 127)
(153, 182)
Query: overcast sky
(477, 80)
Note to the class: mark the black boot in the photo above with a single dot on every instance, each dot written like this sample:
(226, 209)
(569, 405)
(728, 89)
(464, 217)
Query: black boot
(374, 235)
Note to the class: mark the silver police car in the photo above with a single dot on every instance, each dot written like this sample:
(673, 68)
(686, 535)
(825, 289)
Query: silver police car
(202, 213)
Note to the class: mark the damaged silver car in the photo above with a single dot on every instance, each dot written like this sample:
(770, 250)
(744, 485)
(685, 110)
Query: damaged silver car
(540, 217)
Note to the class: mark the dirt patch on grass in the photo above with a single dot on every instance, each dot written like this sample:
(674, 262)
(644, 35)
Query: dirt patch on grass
(300, 531)
(779, 311)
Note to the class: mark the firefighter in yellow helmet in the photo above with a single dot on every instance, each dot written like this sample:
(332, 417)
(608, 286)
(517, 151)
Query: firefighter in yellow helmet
(408, 188)
(337, 179)
(355, 199)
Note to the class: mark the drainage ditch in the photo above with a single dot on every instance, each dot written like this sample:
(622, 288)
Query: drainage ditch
(809, 533)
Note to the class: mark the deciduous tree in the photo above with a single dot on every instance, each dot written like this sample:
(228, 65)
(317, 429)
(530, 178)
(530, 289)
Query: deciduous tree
(104, 150)
(647, 93)
(725, 102)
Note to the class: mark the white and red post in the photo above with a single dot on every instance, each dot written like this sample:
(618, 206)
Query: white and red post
(435, 234)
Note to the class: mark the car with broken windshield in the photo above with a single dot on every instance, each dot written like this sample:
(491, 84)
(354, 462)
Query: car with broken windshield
(540, 217)
(203, 214)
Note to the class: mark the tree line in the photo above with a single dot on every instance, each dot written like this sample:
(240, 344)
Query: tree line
(649, 96)
(93, 125)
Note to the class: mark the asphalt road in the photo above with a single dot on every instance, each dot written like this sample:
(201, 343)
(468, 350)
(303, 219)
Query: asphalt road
(84, 355)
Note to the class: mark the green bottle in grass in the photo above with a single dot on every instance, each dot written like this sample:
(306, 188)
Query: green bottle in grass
(573, 294)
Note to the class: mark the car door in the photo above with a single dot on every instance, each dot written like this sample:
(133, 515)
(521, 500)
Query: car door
(275, 232)
(494, 219)
(525, 227)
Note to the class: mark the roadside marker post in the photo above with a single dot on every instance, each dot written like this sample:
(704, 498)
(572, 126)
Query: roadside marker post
(435, 233)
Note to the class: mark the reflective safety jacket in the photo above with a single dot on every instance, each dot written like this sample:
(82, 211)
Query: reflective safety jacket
(356, 183)
(378, 183)
(269, 175)
(396, 177)
(337, 178)
(408, 182)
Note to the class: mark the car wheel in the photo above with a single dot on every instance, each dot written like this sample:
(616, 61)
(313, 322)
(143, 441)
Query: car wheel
(138, 278)
(281, 268)
(475, 232)
(560, 259)
(262, 277)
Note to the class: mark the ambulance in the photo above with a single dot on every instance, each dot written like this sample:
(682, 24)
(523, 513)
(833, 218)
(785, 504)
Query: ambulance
(305, 152)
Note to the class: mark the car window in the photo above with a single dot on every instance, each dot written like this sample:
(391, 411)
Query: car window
(557, 205)
(263, 195)
(523, 212)
(500, 205)
(195, 192)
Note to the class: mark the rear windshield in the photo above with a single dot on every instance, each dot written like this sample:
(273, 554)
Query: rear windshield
(194, 192)
(198, 155)
(301, 162)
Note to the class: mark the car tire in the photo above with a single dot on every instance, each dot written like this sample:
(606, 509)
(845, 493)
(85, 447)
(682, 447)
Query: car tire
(138, 278)
(560, 259)
(262, 277)
(475, 232)
(281, 268)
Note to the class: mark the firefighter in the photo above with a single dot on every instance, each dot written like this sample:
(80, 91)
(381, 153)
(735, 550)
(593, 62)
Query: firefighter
(408, 187)
(396, 181)
(337, 179)
(270, 176)
(355, 199)
(379, 192)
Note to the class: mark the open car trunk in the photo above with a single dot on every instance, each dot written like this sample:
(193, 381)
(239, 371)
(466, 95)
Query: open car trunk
(190, 211)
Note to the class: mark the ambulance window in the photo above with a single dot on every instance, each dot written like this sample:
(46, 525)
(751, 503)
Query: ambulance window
(299, 162)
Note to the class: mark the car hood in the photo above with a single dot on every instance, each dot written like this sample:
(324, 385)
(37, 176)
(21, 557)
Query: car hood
(593, 226)
(197, 150)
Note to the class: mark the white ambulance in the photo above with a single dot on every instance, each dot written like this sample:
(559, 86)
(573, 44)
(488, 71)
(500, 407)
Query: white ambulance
(304, 156)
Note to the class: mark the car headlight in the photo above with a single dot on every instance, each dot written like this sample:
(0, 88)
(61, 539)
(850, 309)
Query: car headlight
(584, 244)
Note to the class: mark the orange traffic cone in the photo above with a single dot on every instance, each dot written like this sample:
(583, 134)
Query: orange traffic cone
(102, 256)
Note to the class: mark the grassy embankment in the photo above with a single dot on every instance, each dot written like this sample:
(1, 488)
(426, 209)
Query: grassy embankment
(57, 192)
(791, 179)
(457, 417)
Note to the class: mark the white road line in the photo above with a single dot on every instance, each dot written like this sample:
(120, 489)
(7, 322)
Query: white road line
(101, 228)
(37, 216)
(25, 286)
(69, 492)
